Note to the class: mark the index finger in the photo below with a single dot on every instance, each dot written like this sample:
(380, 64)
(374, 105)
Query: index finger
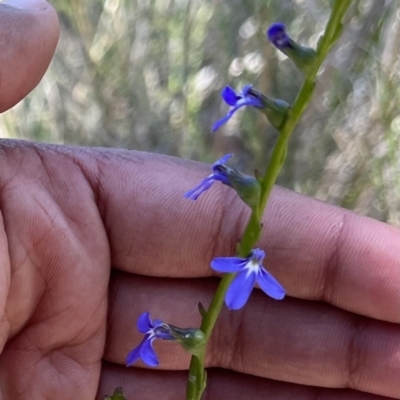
(317, 251)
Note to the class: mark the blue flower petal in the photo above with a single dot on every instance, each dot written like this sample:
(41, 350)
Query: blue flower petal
(204, 185)
(156, 323)
(221, 175)
(246, 89)
(236, 102)
(222, 160)
(134, 354)
(147, 353)
(246, 101)
(241, 103)
(161, 330)
(276, 28)
(144, 323)
(164, 335)
(228, 264)
(221, 122)
(229, 96)
(277, 35)
(239, 291)
(269, 285)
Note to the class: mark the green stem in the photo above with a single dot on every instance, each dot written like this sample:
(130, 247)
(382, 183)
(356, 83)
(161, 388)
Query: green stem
(196, 382)
(332, 33)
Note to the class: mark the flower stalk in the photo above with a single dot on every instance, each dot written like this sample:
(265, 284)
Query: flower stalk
(196, 381)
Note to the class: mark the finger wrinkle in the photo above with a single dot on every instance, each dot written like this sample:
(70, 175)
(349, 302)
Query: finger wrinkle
(94, 169)
(354, 352)
(43, 162)
(333, 262)
(99, 168)
(231, 218)
(374, 357)
(8, 174)
(238, 355)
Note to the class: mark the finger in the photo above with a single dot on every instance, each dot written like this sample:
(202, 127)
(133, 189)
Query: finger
(221, 384)
(28, 38)
(315, 250)
(296, 341)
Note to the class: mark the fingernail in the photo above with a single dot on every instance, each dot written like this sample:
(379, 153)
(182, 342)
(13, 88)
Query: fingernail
(25, 4)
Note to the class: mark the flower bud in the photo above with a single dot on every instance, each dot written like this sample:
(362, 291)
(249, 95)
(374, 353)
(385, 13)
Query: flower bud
(303, 57)
(117, 395)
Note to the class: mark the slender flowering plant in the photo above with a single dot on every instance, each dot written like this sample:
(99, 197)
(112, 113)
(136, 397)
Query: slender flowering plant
(243, 270)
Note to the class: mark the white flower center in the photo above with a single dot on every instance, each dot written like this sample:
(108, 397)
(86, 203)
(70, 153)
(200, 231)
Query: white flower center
(151, 333)
(252, 267)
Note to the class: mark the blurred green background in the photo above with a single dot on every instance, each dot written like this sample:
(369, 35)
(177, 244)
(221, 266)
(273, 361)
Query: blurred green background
(147, 75)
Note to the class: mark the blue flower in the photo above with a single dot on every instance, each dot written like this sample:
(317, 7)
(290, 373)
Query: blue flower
(249, 271)
(277, 35)
(218, 174)
(153, 330)
(247, 97)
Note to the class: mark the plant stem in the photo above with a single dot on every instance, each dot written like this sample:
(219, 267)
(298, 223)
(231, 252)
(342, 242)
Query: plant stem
(196, 382)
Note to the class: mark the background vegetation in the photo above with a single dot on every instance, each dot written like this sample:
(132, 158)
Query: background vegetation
(147, 75)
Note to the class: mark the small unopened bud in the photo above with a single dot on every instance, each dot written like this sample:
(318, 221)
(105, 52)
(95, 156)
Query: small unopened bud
(303, 57)
(117, 395)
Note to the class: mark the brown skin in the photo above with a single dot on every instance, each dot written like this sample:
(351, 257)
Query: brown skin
(69, 214)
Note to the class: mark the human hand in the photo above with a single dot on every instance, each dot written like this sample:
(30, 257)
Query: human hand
(69, 214)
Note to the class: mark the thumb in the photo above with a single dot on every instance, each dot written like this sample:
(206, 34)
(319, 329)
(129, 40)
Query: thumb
(29, 32)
